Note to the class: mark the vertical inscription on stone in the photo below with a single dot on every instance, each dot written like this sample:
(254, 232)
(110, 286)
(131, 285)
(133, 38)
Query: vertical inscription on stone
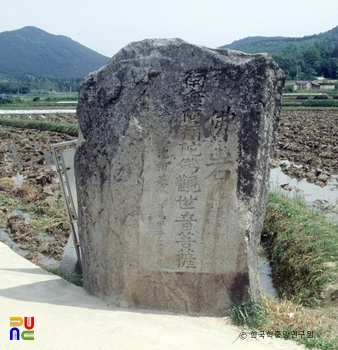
(188, 189)
(187, 205)
(188, 237)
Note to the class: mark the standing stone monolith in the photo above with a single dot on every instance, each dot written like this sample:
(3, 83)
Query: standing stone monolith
(173, 173)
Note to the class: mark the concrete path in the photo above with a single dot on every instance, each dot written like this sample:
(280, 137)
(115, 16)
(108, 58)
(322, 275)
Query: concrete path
(66, 317)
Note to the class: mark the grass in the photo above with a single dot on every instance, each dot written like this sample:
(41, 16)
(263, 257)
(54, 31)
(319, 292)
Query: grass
(248, 314)
(6, 182)
(10, 204)
(300, 243)
(298, 323)
(319, 343)
(47, 214)
(320, 103)
(303, 248)
(286, 315)
(285, 320)
(75, 278)
(282, 319)
(64, 128)
(50, 215)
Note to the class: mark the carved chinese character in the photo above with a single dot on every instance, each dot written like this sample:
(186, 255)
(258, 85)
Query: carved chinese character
(186, 256)
(194, 100)
(162, 165)
(221, 159)
(190, 132)
(220, 173)
(190, 115)
(194, 81)
(188, 164)
(186, 202)
(160, 223)
(161, 207)
(163, 180)
(220, 156)
(218, 121)
(187, 217)
(187, 226)
(185, 237)
(163, 153)
(159, 234)
(192, 149)
(188, 183)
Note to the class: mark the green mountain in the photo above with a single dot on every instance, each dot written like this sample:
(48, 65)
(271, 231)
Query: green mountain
(32, 51)
(275, 45)
(300, 58)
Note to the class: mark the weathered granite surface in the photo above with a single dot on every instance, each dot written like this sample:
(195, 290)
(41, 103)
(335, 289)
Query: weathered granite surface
(172, 177)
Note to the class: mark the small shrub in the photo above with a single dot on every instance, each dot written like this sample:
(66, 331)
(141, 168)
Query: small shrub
(7, 100)
(302, 97)
(288, 88)
(36, 99)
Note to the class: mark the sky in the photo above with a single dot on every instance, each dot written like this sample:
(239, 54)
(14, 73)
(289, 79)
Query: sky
(106, 26)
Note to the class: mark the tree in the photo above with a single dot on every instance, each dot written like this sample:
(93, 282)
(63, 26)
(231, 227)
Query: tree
(323, 50)
(312, 58)
(291, 61)
(329, 68)
(24, 89)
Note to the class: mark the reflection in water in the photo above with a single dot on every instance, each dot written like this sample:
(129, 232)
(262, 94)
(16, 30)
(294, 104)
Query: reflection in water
(310, 192)
(265, 276)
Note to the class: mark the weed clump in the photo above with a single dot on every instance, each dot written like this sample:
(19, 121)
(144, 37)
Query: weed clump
(248, 314)
(6, 183)
(27, 192)
(74, 278)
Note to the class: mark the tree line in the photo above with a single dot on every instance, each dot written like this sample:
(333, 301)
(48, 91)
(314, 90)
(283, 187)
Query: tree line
(28, 84)
(309, 62)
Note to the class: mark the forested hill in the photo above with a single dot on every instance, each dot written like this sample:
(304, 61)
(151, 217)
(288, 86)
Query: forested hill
(32, 51)
(275, 45)
(302, 58)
